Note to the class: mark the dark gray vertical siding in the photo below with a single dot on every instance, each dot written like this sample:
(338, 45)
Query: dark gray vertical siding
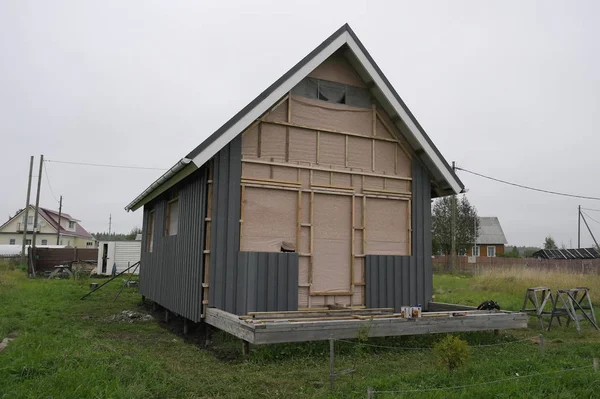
(225, 233)
(270, 281)
(421, 225)
(171, 275)
(395, 281)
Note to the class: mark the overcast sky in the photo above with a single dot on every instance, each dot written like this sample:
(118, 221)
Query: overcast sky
(508, 88)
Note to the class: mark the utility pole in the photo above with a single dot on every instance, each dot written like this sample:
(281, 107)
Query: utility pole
(453, 227)
(26, 212)
(37, 211)
(59, 215)
(590, 230)
(109, 222)
(579, 227)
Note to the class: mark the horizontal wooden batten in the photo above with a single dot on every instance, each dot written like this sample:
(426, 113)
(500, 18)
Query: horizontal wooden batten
(325, 130)
(332, 186)
(387, 192)
(331, 293)
(320, 168)
(270, 181)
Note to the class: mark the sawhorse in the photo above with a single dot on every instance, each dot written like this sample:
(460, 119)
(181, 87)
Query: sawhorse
(573, 300)
(539, 297)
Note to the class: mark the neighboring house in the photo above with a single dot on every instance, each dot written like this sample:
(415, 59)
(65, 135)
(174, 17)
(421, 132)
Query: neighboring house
(72, 234)
(491, 239)
(317, 193)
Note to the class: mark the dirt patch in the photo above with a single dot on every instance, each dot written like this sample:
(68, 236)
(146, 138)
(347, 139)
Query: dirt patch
(6, 340)
(129, 316)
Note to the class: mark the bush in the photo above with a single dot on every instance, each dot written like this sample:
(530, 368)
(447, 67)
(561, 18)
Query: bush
(451, 352)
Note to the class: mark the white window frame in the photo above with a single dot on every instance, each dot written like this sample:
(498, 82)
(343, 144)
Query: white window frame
(494, 251)
(89, 244)
(476, 251)
(71, 225)
(150, 223)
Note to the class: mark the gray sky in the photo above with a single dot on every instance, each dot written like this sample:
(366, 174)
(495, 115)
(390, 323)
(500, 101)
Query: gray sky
(507, 88)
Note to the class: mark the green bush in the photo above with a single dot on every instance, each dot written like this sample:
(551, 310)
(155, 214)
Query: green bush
(451, 352)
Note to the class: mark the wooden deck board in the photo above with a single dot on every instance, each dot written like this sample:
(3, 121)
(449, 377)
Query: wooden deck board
(344, 326)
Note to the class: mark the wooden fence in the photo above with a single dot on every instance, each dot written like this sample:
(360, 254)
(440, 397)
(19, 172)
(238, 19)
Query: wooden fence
(441, 264)
(46, 258)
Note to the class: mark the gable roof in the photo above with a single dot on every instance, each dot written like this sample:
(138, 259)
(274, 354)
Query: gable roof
(490, 231)
(445, 180)
(51, 217)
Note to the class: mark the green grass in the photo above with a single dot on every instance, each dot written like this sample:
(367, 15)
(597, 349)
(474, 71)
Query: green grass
(66, 348)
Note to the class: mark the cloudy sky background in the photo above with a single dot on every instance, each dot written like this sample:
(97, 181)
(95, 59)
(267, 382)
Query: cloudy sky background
(509, 89)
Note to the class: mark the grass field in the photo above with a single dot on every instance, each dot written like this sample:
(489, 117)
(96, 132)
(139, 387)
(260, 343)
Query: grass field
(67, 348)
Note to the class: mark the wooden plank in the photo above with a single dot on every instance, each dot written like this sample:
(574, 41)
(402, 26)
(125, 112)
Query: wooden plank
(320, 168)
(270, 181)
(389, 129)
(388, 192)
(441, 306)
(298, 220)
(331, 293)
(325, 130)
(230, 323)
(348, 329)
(333, 186)
(374, 120)
(319, 312)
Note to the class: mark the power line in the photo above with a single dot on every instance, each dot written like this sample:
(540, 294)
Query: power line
(590, 209)
(530, 188)
(48, 180)
(106, 165)
(590, 217)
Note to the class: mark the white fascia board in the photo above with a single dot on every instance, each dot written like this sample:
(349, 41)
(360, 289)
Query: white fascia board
(268, 102)
(403, 114)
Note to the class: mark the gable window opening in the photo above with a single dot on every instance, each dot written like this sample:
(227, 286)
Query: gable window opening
(28, 242)
(476, 250)
(12, 241)
(333, 92)
(89, 244)
(491, 252)
(71, 224)
(172, 219)
(44, 242)
(150, 231)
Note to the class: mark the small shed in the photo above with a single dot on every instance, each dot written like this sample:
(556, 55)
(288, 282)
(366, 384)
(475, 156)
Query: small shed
(315, 196)
(117, 254)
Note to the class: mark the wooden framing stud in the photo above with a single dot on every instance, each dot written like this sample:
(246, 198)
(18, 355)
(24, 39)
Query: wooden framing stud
(374, 120)
(298, 220)
(259, 140)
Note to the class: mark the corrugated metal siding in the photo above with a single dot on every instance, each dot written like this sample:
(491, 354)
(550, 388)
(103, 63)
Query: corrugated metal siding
(267, 281)
(394, 281)
(225, 227)
(171, 275)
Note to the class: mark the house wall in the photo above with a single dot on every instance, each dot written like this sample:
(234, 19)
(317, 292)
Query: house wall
(395, 281)
(171, 275)
(332, 182)
(18, 237)
(12, 226)
(483, 249)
